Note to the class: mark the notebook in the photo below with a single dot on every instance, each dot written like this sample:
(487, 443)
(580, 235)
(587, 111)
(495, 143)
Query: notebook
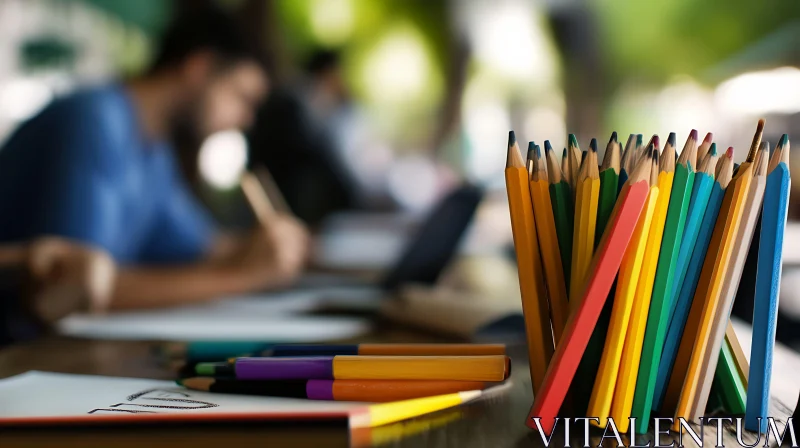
(43, 398)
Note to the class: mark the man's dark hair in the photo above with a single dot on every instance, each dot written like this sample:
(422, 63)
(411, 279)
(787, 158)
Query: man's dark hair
(322, 60)
(205, 28)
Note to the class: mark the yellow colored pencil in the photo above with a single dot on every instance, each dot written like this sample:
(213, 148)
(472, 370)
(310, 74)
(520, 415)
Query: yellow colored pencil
(535, 309)
(715, 269)
(385, 413)
(628, 278)
(629, 370)
(587, 193)
(548, 240)
(573, 161)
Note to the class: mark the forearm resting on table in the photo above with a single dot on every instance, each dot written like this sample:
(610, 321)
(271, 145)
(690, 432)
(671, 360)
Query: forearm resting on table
(142, 287)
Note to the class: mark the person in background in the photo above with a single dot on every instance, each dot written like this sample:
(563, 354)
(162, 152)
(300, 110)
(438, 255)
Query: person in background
(98, 167)
(48, 279)
(299, 137)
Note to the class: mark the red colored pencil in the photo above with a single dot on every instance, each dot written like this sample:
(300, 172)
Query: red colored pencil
(581, 323)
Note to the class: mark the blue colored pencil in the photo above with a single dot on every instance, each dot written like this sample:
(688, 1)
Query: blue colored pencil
(768, 279)
(692, 276)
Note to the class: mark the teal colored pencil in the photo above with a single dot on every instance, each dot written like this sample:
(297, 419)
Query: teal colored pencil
(683, 303)
(701, 193)
(561, 198)
(768, 279)
(660, 306)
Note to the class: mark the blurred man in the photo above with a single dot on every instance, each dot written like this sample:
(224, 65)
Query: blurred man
(98, 167)
(48, 279)
(299, 137)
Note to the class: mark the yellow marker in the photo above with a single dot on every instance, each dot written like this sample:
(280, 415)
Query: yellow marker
(603, 392)
(626, 380)
(548, 240)
(587, 193)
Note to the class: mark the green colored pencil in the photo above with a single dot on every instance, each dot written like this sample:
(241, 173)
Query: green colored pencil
(561, 197)
(731, 389)
(590, 362)
(660, 306)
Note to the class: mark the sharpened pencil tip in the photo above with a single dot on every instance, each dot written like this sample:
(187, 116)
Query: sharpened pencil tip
(656, 142)
(512, 138)
(729, 152)
(713, 149)
(613, 137)
(573, 141)
(531, 152)
(538, 151)
(693, 134)
(593, 145)
(760, 127)
(784, 140)
(564, 154)
(671, 139)
(547, 146)
(709, 138)
(639, 138)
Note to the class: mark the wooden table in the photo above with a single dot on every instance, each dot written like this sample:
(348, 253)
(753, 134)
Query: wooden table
(498, 422)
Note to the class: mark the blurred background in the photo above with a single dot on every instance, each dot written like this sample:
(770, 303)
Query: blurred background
(400, 100)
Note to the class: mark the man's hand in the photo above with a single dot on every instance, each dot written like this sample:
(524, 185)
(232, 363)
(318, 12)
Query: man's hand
(274, 254)
(68, 277)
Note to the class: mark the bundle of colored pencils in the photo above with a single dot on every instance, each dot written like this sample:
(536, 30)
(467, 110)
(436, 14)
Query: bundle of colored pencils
(367, 372)
(628, 271)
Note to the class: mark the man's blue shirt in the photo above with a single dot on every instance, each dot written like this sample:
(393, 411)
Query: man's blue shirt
(83, 169)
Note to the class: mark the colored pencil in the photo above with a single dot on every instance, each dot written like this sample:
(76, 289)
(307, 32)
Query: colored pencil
(704, 148)
(573, 161)
(376, 391)
(710, 292)
(257, 198)
(548, 243)
(622, 401)
(742, 365)
(349, 367)
(587, 192)
(602, 271)
(749, 216)
(730, 389)
(686, 320)
(703, 208)
(565, 171)
(561, 198)
(386, 349)
(768, 278)
(385, 413)
(624, 164)
(682, 181)
(607, 374)
(530, 160)
(531, 279)
(590, 363)
(609, 181)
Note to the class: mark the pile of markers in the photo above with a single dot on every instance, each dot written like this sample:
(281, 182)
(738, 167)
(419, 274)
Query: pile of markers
(366, 372)
(628, 271)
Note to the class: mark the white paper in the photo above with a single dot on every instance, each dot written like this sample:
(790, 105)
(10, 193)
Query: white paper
(43, 394)
(273, 317)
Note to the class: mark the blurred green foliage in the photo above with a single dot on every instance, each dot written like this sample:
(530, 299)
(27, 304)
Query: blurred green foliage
(656, 40)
